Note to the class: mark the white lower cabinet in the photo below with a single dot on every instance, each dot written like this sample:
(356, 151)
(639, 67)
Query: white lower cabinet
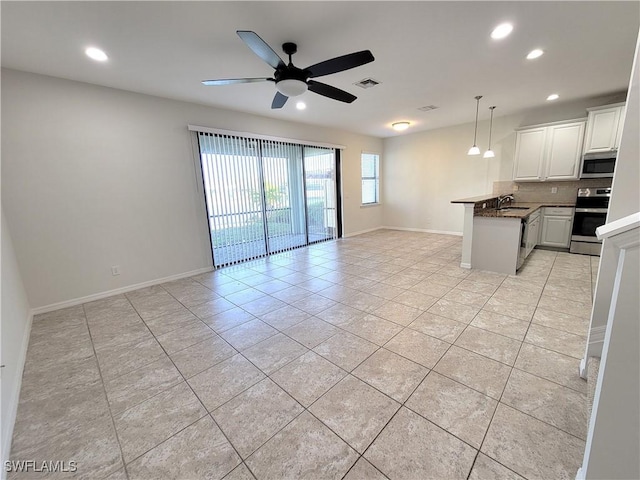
(534, 232)
(556, 227)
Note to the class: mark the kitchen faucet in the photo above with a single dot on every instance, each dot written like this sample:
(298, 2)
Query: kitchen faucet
(504, 198)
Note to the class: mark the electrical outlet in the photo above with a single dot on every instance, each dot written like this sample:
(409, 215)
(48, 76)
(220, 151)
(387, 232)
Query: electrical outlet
(115, 270)
(516, 188)
(484, 205)
(554, 189)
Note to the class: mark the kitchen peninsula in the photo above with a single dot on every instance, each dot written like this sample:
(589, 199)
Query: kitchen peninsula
(499, 233)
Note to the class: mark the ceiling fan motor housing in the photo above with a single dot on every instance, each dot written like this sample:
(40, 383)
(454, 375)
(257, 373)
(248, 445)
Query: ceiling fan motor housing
(291, 81)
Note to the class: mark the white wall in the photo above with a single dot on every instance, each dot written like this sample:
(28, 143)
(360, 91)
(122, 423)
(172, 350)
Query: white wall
(625, 200)
(14, 333)
(424, 171)
(94, 177)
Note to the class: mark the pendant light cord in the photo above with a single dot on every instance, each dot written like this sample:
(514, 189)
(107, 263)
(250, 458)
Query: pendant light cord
(491, 125)
(475, 133)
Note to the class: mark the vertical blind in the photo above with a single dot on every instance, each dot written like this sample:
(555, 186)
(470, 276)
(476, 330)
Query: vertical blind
(266, 196)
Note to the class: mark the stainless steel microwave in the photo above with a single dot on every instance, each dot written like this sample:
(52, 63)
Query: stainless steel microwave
(598, 165)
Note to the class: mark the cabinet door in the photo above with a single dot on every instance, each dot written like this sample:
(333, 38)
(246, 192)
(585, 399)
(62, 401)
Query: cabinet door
(565, 151)
(556, 231)
(602, 130)
(532, 235)
(530, 151)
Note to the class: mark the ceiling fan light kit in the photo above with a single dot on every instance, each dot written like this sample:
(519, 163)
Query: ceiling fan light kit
(291, 81)
(291, 87)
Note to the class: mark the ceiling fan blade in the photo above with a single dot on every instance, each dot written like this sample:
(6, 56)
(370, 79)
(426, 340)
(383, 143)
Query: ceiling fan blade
(232, 81)
(279, 100)
(340, 64)
(260, 48)
(331, 92)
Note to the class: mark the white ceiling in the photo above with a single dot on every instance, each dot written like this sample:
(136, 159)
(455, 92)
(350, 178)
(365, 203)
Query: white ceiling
(426, 53)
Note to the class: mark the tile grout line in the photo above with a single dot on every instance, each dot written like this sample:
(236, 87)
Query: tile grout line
(505, 386)
(184, 379)
(113, 423)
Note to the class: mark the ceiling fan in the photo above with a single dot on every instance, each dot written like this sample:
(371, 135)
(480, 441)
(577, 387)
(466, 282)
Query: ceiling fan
(292, 81)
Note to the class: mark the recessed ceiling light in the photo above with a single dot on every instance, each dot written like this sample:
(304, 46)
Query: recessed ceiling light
(301, 105)
(96, 54)
(501, 31)
(553, 96)
(400, 126)
(535, 54)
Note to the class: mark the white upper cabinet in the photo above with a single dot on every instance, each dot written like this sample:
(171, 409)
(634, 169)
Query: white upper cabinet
(530, 151)
(549, 152)
(565, 150)
(604, 128)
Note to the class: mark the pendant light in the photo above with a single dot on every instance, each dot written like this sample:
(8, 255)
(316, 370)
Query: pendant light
(490, 153)
(475, 150)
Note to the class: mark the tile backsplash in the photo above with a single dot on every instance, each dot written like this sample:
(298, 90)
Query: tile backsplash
(541, 191)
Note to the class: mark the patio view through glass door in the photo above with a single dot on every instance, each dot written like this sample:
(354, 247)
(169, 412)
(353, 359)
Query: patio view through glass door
(266, 196)
(320, 188)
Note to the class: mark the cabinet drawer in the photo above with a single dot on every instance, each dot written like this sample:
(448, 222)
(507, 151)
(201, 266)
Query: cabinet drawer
(558, 211)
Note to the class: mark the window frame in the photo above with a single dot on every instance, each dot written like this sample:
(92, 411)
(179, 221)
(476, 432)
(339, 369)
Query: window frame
(375, 178)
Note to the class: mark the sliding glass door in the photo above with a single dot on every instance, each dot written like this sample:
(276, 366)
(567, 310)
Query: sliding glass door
(320, 193)
(265, 196)
(282, 181)
(234, 195)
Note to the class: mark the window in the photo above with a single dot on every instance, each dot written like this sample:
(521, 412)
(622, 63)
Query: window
(370, 178)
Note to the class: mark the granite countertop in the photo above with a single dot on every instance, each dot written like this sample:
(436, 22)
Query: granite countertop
(481, 198)
(523, 213)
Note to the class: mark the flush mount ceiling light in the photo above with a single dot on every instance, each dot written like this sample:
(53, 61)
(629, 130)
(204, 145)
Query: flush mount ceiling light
(535, 54)
(400, 126)
(489, 153)
(553, 96)
(291, 87)
(301, 105)
(475, 150)
(96, 54)
(501, 31)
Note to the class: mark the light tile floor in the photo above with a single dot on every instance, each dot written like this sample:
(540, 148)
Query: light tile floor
(375, 356)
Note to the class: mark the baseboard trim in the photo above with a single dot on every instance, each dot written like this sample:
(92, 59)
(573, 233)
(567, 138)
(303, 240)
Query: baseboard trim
(360, 232)
(116, 291)
(583, 368)
(424, 230)
(15, 395)
(465, 265)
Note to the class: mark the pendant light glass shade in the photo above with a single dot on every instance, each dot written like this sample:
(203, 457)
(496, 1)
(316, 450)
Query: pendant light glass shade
(489, 153)
(475, 150)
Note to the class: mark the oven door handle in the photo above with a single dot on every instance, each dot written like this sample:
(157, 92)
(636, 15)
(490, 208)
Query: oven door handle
(591, 210)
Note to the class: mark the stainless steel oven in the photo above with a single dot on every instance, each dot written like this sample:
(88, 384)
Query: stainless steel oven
(598, 165)
(592, 205)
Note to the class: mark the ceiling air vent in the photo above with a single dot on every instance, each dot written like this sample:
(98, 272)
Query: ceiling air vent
(426, 108)
(367, 83)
